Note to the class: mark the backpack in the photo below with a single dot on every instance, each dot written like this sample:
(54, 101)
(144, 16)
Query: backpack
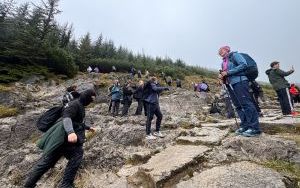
(251, 72)
(146, 90)
(49, 118)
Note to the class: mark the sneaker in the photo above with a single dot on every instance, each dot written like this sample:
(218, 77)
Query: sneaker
(150, 137)
(250, 133)
(295, 113)
(158, 134)
(240, 131)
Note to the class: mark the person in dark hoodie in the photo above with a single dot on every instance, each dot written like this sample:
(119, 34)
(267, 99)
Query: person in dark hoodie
(138, 96)
(281, 86)
(72, 148)
(152, 101)
(127, 97)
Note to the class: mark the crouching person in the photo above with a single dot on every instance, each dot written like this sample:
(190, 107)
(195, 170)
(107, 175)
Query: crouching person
(64, 139)
(152, 104)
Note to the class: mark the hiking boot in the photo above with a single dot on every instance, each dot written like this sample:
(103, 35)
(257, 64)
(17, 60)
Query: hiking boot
(250, 133)
(158, 134)
(240, 131)
(150, 137)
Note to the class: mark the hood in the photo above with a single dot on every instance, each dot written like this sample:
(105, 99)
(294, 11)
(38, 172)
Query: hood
(86, 97)
(268, 71)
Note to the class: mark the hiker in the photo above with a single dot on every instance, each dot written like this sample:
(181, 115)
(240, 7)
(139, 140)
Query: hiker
(127, 97)
(89, 69)
(256, 92)
(215, 107)
(132, 72)
(138, 96)
(147, 74)
(113, 69)
(139, 73)
(295, 93)
(224, 95)
(96, 69)
(178, 83)
(203, 87)
(151, 95)
(115, 94)
(234, 66)
(195, 86)
(67, 140)
(169, 80)
(281, 86)
(70, 95)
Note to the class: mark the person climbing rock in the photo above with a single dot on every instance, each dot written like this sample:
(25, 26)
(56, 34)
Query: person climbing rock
(178, 83)
(281, 86)
(238, 89)
(152, 101)
(66, 140)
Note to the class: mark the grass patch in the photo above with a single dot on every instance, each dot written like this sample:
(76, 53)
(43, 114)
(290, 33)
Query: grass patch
(286, 168)
(4, 88)
(7, 112)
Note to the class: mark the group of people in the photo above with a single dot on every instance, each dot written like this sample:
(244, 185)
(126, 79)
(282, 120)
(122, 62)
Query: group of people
(236, 86)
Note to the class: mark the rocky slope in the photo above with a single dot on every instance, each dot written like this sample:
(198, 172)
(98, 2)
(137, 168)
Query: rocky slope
(198, 151)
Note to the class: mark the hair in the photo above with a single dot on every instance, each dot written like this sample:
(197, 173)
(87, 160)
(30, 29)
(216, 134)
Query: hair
(274, 63)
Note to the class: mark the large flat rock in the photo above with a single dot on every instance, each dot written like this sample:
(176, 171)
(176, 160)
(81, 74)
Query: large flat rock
(237, 175)
(205, 135)
(167, 163)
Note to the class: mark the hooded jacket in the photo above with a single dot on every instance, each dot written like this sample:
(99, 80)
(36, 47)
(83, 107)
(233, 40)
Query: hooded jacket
(277, 80)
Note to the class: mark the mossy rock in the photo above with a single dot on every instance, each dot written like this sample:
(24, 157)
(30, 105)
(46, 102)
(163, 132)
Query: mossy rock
(7, 111)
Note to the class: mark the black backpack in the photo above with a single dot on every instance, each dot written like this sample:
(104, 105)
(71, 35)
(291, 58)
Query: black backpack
(49, 118)
(251, 72)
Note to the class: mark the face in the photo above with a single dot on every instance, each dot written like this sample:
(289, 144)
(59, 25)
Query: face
(276, 66)
(223, 52)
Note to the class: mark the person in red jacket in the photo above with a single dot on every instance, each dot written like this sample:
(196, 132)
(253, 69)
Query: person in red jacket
(295, 93)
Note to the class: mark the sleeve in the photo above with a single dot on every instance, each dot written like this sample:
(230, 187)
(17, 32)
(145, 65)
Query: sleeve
(156, 88)
(241, 64)
(283, 73)
(68, 125)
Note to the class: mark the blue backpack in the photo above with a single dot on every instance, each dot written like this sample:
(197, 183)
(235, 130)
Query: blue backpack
(251, 72)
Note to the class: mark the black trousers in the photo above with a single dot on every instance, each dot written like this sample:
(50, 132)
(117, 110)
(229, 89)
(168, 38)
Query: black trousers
(126, 107)
(285, 101)
(153, 109)
(74, 154)
(139, 108)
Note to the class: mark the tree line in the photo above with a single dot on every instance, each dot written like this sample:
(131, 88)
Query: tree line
(31, 37)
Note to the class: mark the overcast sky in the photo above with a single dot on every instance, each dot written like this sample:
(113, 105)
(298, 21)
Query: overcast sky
(193, 30)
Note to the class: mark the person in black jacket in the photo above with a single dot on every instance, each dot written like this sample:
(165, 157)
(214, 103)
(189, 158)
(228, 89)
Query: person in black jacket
(127, 98)
(138, 95)
(74, 126)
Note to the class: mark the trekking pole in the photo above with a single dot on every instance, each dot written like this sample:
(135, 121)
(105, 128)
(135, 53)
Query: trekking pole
(231, 102)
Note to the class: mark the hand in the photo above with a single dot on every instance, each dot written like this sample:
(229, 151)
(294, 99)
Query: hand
(224, 73)
(292, 69)
(220, 77)
(72, 138)
(92, 129)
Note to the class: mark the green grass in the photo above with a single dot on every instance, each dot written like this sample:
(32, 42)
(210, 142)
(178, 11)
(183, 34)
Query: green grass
(286, 168)
(7, 111)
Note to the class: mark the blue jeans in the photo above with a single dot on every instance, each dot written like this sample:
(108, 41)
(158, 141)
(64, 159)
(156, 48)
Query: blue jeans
(246, 110)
